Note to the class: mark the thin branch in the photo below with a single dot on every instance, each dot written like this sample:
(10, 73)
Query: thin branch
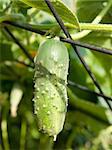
(90, 47)
(12, 71)
(60, 22)
(88, 90)
(40, 28)
(71, 83)
(31, 28)
(7, 7)
(19, 44)
(25, 26)
(23, 63)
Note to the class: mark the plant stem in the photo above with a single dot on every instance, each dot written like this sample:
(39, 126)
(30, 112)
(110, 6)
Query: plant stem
(30, 27)
(23, 63)
(23, 134)
(42, 28)
(88, 46)
(87, 90)
(4, 134)
(95, 21)
(19, 44)
(35, 29)
(91, 26)
(1, 147)
(46, 142)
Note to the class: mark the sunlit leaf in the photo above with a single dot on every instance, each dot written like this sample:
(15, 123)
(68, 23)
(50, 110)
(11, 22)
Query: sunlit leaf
(87, 10)
(64, 12)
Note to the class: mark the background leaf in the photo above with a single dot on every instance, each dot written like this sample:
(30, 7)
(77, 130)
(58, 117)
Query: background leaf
(87, 10)
(63, 11)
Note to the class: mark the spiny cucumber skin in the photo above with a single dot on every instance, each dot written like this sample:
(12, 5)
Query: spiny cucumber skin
(50, 98)
(54, 57)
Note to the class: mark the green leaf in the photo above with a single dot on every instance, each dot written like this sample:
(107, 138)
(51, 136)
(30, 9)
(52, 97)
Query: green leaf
(78, 74)
(104, 139)
(95, 124)
(84, 128)
(12, 17)
(88, 107)
(64, 12)
(103, 40)
(87, 10)
(3, 3)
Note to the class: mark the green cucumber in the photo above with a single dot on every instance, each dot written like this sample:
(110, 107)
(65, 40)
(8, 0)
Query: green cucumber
(50, 96)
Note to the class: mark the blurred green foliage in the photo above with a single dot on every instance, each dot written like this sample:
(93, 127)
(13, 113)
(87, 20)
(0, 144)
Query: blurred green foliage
(88, 121)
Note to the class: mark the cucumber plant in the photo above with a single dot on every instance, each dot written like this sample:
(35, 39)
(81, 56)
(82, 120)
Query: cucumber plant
(50, 96)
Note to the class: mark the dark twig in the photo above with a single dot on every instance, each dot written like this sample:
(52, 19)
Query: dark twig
(12, 71)
(71, 83)
(23, 63)
(87, 90)
(60, 22)
(91, 47)
(19, 44)
(25, 26)
(30, 28)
